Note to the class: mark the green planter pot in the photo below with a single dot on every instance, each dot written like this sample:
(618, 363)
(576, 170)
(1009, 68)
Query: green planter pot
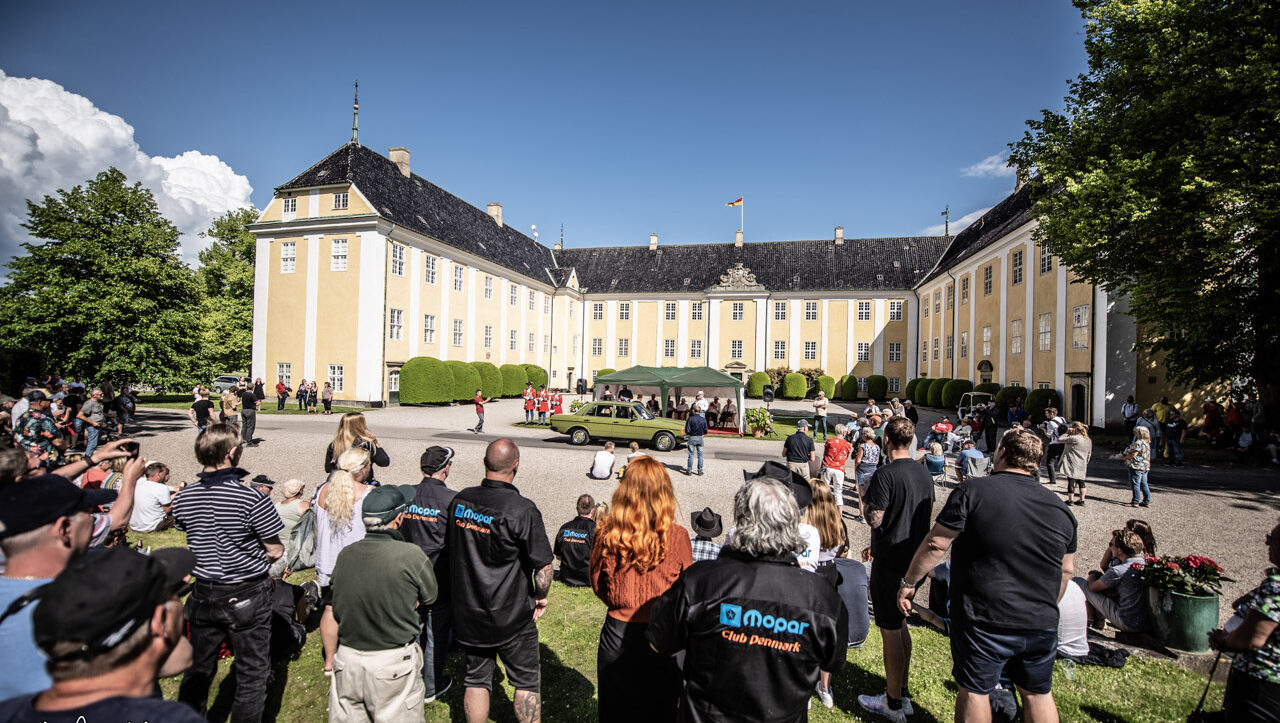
(1182, 621)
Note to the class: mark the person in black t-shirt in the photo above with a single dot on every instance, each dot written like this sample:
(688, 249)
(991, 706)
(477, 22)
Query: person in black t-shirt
(1011, 543)
(201, 411)
(1175, 434)
(897, 504)
(798, 449)
(573, 545)
(425, 524)
(249, 406)
(497, 545)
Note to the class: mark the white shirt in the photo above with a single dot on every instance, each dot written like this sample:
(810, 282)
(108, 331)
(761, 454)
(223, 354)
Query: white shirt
(149, 499)
(1073, 622)
(820, 406)
(701, 404)
(808, 560)
(602, 465)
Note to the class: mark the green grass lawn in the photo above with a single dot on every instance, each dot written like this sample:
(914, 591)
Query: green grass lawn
(1143, 691)
(267, 408)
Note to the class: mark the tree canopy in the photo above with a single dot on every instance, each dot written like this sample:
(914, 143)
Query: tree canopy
(1160, 180)
(225, 276)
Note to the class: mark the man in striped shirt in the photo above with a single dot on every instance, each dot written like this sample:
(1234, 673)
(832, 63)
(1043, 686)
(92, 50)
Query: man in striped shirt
(234, 532)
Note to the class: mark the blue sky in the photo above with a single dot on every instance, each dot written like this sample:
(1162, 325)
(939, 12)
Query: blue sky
(615, 120)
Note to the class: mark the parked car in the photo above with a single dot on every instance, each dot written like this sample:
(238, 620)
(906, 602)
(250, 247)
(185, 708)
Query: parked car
(621, 421)
(223, 382)
(969, 400)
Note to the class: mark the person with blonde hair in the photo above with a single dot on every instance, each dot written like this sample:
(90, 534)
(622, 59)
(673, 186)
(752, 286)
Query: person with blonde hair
(1137, 457)
(1073, 463)
(640, 550)
(338, 524)
(354, 432)
(824, 515)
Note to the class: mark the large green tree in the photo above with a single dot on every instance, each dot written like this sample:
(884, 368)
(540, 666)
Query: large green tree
(1160, 179)
(106, 293)
(225, 276)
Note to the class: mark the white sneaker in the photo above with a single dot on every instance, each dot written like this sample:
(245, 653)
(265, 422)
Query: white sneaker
(824, 695)
(879, 705)
(907, 710)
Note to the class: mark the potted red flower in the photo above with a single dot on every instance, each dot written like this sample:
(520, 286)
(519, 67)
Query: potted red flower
(1182, 598)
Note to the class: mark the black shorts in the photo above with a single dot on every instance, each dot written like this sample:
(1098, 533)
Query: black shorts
(519, 656)
(980, 654)
(883, 591)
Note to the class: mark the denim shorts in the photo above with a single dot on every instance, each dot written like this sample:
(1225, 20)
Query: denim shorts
(980, 654)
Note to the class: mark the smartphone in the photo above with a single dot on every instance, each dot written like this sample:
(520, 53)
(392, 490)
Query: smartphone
(133, 448)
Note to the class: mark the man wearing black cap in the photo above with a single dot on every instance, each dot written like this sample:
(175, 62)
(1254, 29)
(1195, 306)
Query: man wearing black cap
(110, 626)
(426, 520)
(798, 449)
(378, 584)
(35, 431)
(45, 524)
(706, 527)
(573, 544)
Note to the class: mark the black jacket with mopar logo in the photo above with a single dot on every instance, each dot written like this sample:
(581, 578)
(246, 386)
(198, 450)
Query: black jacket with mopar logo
(496, 541)
(755, 631)
(426, 520)
(573, 547)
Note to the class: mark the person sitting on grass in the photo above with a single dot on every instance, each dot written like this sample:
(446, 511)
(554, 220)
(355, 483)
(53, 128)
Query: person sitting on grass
(573, 545)
(1118, 595)
(602, 463)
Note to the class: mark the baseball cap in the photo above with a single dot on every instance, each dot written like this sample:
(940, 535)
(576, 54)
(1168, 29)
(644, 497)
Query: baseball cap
(36, 502)
(435, 459)
(100, 599)
(36, 395)
(907, 401)
(261, 480)
(802, 424)
(386, 501)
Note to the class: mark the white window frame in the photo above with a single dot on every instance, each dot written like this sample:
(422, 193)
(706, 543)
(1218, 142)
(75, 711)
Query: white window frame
(1046, 260)
(429, 269)
(811, 351)
(488, 287)
(735, 349)
(695, 311)
(695, 348)
(284, 370)
(1080, 327)
(986, 280)
(737, 311)
(1044, 337)
(487, 339)
(533, 300)
(668, 348)
(341, 201)
(597, 311)
(393, 381)
(895, 351)
(624, 311)
(1015, 267)
(459, 279)
(964, 290)
(597, 346)
(397, 259)
(513, 340)
(951, 346)
(862, 384)
(779, 349)
(624, 347)
(288, 257)
(951, 296)
(338, 254)
(964, 345)
(546, 306)
(546, 343)
(864, 311)
(395, 324)
(895, 385)
(895, 311)
(669, 311)
(336, 378)
(429, 329)
(924, 350)
(1015, 336)
(779, 311)
(986, 341)
(864, 351)
(937, 302)
(289, 205)
(533, 342)
(513, 295)
(810, 311)
(1044, 385)
(458, 329)
(937, 348)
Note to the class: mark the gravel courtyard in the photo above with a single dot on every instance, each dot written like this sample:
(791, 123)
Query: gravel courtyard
(1223, 514)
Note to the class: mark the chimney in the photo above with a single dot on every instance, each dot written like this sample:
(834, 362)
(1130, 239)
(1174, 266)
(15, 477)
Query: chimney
(737, 239)
(839, 235)
(495, 212)
(653, 242)
(400, 157)
(559, 246)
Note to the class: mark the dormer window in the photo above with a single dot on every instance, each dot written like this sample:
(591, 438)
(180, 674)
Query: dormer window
(340, 201)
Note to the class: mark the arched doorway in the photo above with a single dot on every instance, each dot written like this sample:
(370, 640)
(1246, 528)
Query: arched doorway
(984, 371)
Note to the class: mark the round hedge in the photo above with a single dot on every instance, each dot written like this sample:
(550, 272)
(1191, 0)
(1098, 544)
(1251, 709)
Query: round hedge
(755, 384)
(514, 377)
(847, 387)
(935, 391)
(1039, 399)
(988, 387)
(878, 387)
(827, 385)
(955, 389)
(1009, 395)
(921, 394)
(490, 379)
(601, 373)
(466, 380)
(537, 374)
(794, 386)
(425, 380)
(909, 392)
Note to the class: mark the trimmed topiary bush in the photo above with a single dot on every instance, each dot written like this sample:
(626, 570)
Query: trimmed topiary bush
(952, 392)
(827, 385)
(537, 374)
(1038, 400)
(755, 384)
(935, 391)
(1009, 395)
(466, 380)
(599, 374)
(847, 387)
(490, 379)
(988, 387)
(794, 386)
(920, 397)
(878, 387)
(425, 380)
(909, 392)
(514, 377)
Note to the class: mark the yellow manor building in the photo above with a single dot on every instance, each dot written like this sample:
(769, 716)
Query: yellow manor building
(362, 265)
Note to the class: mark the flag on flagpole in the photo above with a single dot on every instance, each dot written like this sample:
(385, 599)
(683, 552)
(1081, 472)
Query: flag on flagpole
(735, 203)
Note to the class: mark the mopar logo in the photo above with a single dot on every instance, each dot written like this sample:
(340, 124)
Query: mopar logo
(466, 513)
(574, 535)
(735, 617)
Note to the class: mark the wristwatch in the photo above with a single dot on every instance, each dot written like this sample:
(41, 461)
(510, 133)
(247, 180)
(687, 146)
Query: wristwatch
(903, 584)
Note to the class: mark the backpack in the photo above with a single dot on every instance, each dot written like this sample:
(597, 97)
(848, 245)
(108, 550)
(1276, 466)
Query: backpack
(302, 542)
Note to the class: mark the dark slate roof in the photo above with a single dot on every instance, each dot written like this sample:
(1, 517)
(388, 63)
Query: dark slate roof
(422, 206)
(858, 264)
(995, 224)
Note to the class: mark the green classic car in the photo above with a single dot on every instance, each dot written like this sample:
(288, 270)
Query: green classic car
(619, 420)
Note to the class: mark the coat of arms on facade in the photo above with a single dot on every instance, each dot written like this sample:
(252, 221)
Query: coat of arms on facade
(737, 278)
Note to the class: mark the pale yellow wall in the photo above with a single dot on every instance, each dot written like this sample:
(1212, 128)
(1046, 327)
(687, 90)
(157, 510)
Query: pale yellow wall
(273, 210)
(287, 301)
(1016, 308)
(987, 313)
(398, 288)
(355, 205)
(810, 331)
(837, 330)
(1078, 360)
(1044, 363)
(643, 346)
(744, 330)
(896, 331)
(336, 297)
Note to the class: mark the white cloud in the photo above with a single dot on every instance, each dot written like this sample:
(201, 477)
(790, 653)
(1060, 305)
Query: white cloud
(957, 225)
(996, 166)
(51, 138)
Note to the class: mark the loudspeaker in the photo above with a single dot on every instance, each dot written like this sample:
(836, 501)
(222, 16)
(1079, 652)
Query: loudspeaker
(767, 394)
(582, 386)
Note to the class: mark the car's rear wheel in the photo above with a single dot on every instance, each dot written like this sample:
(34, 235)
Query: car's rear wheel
(579, 436)
(664, 442)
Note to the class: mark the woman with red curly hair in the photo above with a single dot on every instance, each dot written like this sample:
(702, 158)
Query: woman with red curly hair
(639, 552)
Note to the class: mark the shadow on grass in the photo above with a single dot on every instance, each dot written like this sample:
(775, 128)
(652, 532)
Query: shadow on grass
(567, 695)
(854, 680)
(1098, 714)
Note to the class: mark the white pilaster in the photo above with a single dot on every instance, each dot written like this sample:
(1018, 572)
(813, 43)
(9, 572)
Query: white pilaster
(762, 338)
(312, 291)
(911, 345)
(261, 281)
(539, 357)
(823, 342)
(444, 325)
(851, 307)
(371, 319)
(413, 325)
(504, 333)
(1060, 333)
(975, 334)
(471, 341)
(682, 332)
(879, 311)
(794, 356)
(712, 349)
(1098, 380)
(313, 204)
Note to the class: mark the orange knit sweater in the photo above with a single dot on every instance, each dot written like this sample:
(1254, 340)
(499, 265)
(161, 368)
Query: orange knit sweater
(630, 593)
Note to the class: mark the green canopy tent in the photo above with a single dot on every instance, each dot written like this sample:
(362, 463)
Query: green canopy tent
(680, 381)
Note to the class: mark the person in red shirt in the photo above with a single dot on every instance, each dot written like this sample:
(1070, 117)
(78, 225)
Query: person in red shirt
(940, 433)
(282, 393)
(480, 401)
(529, 394)
(557, 403)
(834, 454)
(544, 404)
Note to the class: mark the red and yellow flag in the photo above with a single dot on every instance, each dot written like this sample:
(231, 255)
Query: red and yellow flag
(735, 203)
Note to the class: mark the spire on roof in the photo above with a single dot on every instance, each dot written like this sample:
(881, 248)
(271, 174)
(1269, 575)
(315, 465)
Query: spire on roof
(355, 116)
